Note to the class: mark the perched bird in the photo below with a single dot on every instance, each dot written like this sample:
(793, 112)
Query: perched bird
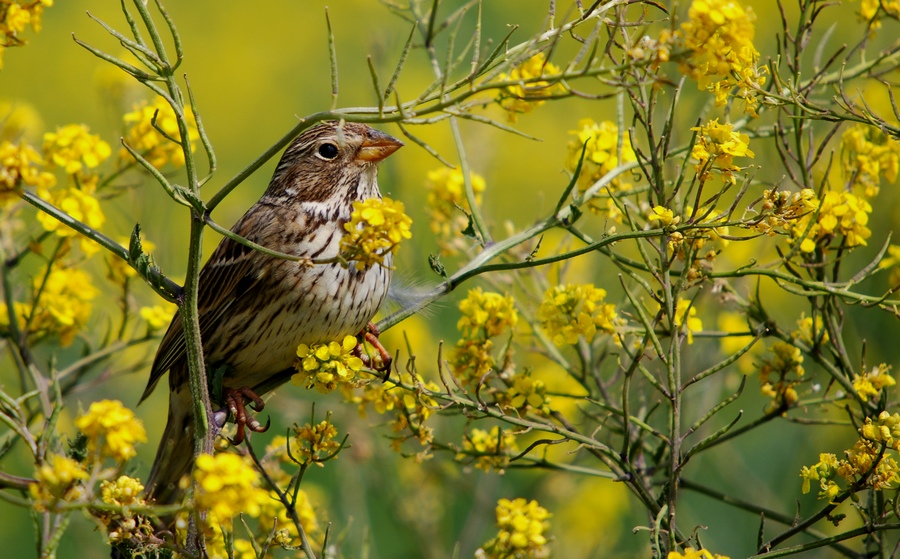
(255, 309)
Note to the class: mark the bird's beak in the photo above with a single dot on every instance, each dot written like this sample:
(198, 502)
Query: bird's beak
(377, 146)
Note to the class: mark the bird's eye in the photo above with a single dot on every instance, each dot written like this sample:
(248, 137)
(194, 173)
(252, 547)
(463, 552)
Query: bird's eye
(328, 151)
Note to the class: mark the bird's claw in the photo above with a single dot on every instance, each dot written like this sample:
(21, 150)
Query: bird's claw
(234, 400)
(370, 334)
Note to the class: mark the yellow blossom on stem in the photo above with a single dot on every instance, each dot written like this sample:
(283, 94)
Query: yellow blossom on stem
(63, 308)
(600, 142)
(836, 213)
(324, 366)
(526, 392)
(869, 9)
(125, 491)
(686, 318)
(20, 165)
(491, 450)
(447, 203)
(157, 316)
(74, 148)
(486, 314)
(716, 147)
(719, 37)
(226, 486)
(313, 443)
(521, 526)
(572, 311)
(870, 384)
(529, 90)
(111, 429)
(146, 139)
(375, 230)
(78, 203)
(691, 553)
(15, 16)
(472, 359)
(664, 216)
(57, 480)
(867, 156)
(779, 374)
(810, 332)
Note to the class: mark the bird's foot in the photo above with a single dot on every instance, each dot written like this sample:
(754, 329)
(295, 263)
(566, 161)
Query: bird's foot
(382, 361)
(234, 401)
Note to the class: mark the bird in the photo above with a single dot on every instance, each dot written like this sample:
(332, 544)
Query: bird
(255, 309)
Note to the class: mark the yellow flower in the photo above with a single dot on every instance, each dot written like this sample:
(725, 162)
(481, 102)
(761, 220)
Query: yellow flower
(226, 486)
(112, 429)
(78, 203)
(571, 311)
(664, 216)
(56, 479)
(716, 147)
(601, 156)
(867, 155)
(157, 316)
(839, 213)
(375, 231)
(529, 90)
(485, 315)
(780, 374)
(521, 526)
(74, 148)
(491, 450)
(446, 195)
(527, 392)
(312, 443)
(324, 366)
(872, 382)
(868, 9)
(719, 35)
(144, 138)
(124, 491)
(20, 165)
(64, 306)
(691, 553)
(686, 316)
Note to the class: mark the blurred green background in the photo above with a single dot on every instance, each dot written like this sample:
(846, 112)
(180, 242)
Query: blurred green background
(254, 68)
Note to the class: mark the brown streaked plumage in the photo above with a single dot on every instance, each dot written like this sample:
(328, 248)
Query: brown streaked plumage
(255, 309)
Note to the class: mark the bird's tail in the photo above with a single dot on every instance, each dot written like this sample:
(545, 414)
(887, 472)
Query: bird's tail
(175, 455)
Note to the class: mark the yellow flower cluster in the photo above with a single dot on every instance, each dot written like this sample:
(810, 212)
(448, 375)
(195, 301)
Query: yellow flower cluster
(867, 155)
(63, 308)
(111, 429)
(312, 443)
(226, 486)
(80, 204)
(573, 311)
(412, 407)
(867, 460)
(836, 213)
(781, 373)
(446, 195)
(57, 479)
(780, 208)
(810, 331)
(157, 316)
(491, 450)
(153, 146)
(73, 148)
(526, 392)
(324, 366)
(15, 16)
(870, 384)
(125, 491)
(691, 553)
(686, 318)
(530, 89)
(601, 156)
(20, 165)
(869, 9)
(375, 230)
(521, 526)
(719, 37)
(484, 315)
(716, 147)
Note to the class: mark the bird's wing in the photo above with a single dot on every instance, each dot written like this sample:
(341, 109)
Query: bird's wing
(228, 275)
